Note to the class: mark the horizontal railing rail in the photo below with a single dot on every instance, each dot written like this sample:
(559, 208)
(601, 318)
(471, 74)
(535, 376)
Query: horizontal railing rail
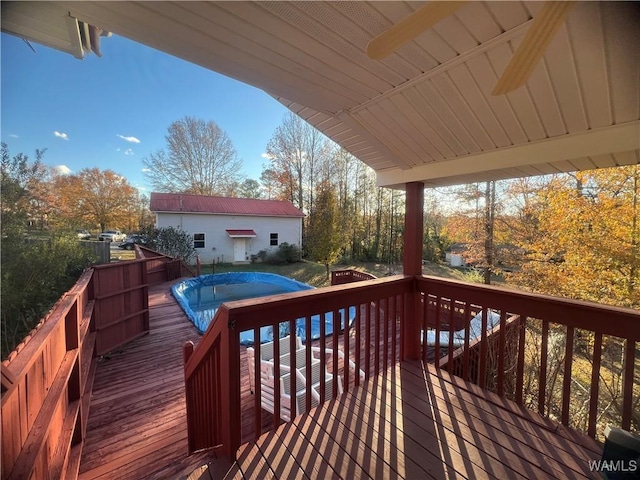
(575, 362)
(161, 267)
(371, 313)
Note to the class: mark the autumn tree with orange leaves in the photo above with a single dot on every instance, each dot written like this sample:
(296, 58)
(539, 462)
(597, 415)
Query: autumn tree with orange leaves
(94, 197)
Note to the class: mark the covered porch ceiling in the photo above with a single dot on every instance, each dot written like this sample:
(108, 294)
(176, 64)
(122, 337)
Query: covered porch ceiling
(425, 112)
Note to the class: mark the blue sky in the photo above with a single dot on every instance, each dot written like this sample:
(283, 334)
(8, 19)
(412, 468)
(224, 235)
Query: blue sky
(111, 112)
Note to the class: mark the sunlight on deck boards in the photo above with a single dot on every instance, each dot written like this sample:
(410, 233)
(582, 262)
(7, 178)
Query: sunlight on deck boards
(415, 422)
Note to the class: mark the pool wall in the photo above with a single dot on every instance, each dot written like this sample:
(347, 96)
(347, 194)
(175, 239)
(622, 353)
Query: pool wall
(181, 288)
(202, 322)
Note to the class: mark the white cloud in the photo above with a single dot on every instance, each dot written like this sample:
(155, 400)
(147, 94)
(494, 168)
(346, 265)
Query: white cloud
(128, 151)
(13, 135)
(145, 170)
(62, 169)
(129, 139)
(63, 136)
(267, 156)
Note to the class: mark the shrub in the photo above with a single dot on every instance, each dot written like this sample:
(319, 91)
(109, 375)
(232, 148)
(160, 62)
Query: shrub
(174, 242)
(34, 275)
(285, 253)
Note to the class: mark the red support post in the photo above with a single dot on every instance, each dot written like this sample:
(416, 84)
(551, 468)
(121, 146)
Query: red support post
(412, 265)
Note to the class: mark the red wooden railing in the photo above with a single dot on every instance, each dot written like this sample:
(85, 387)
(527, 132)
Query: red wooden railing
(212, 369)
(47, 381)
(540, 351)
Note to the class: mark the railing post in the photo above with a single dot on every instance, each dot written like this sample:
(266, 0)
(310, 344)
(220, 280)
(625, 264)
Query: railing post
(231, 422)
(412, 265)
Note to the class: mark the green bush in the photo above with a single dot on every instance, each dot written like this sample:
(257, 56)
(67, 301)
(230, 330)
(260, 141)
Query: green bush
(174, 242)
(35, 273)
(285, 253)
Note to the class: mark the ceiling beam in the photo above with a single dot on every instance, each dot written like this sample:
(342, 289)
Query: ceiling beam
(618, 138)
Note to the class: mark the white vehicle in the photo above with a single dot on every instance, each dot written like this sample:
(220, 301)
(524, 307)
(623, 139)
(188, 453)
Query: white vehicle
(112, 236)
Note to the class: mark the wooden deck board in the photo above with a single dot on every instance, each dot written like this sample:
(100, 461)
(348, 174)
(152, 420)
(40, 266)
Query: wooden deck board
(410, 422)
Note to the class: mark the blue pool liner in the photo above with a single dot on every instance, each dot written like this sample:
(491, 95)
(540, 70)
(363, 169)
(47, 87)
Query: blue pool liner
(202, 319)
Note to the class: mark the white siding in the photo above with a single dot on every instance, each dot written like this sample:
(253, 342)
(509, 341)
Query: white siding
(219, 246)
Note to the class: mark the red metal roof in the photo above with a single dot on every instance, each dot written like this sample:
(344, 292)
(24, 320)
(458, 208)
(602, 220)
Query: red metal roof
(241, 233)
(181, 202)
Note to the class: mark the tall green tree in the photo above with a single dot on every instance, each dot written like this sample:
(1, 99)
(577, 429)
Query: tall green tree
(325, 236)
(200, 158)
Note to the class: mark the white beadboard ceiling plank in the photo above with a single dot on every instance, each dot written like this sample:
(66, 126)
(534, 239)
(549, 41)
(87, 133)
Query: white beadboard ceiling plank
(141, 24)
(604, 161)
(477, 102)
(508, 14)
(368, 118)
(423, 100)
(627, 158)
(463, 112)
(485, 77)
(519, 99)
(413, 122)
(351, 46)
(294, 14)
(622, 37)
(544, 97)
(429, 41)
(448, 116)
(455, 34)
(401, 140)
(440, 148)
(587, 38)
(558, 58)
(478, 21)
(583, 163)
(204, 17)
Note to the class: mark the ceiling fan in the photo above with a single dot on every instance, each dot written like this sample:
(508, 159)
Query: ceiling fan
(544, 26)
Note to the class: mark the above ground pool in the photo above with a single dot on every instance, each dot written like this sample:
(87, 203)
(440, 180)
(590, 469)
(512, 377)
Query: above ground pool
(201, 296)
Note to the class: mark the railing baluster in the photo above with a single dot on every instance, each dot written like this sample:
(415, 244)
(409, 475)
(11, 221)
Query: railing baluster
(437, 325)
(293, 379)
(425, 319)
(452, 311)
(595, 384)
(522, 326)
(358, 327)
(501, 352)
(385, 342)
(627, 383)
(346, 342)
(336, 345)
(257, 387)
(482, 369)
(566, 379)
(323, 357)
(542, 377)
(367, 340)
(276, 375)
(376, 345)
(394, 320)
(307, 337)
(465, 354)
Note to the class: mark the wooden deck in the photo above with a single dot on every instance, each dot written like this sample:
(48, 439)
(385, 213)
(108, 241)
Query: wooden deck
(409, 423)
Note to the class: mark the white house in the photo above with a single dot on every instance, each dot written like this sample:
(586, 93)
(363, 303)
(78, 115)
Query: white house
(229, 229)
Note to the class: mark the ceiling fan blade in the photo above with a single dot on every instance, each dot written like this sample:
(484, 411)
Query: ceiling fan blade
(543, 28)
(410, 27)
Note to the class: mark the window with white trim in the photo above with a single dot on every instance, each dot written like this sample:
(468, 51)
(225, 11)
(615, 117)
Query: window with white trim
(198, 240)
